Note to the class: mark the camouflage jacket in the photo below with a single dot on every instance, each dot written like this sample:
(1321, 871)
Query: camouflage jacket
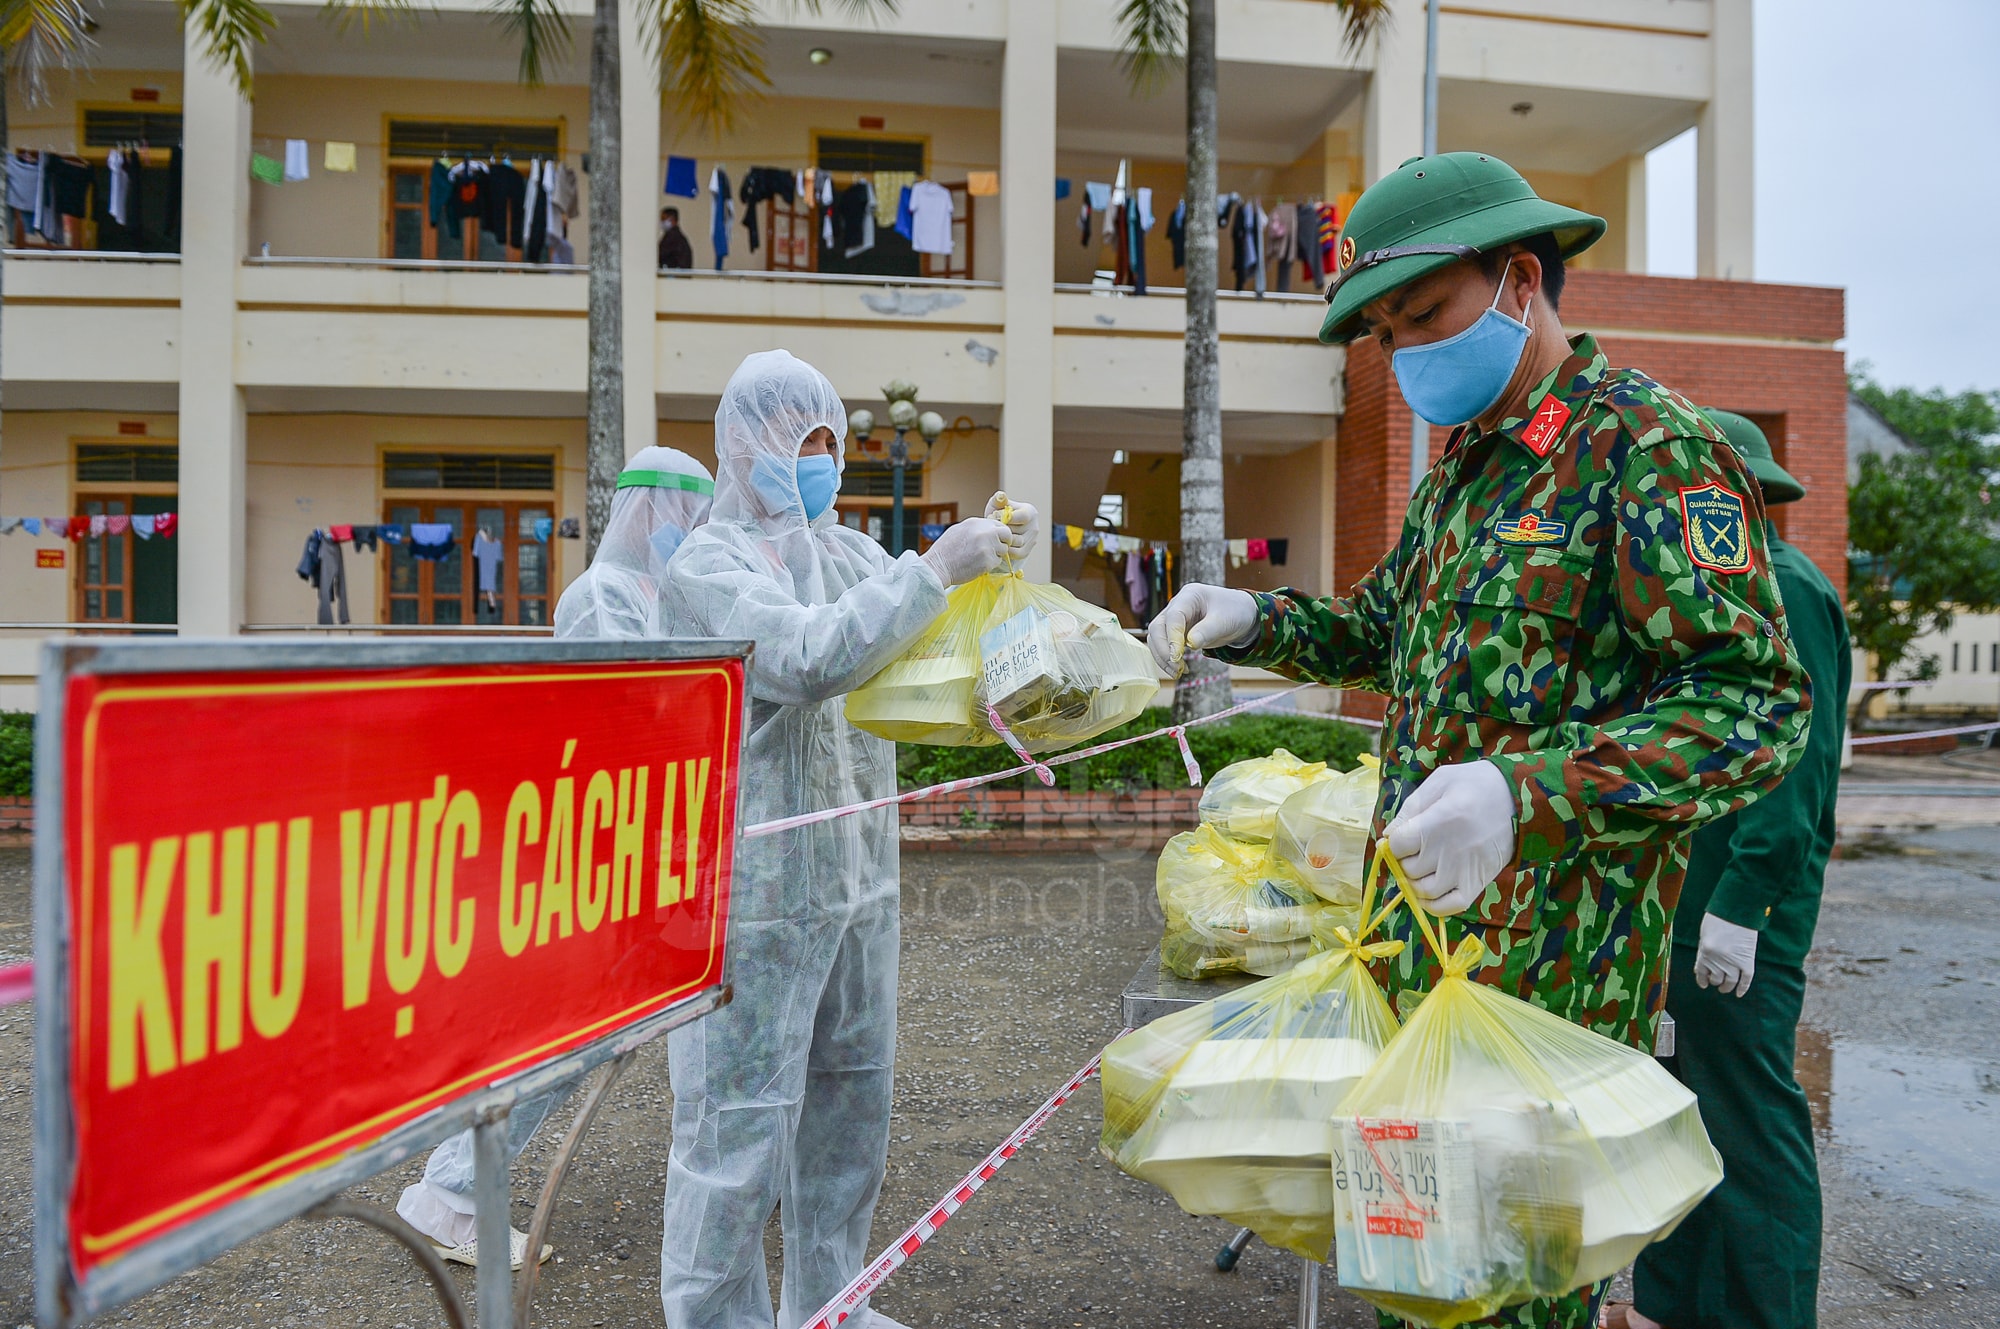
(1584, 598)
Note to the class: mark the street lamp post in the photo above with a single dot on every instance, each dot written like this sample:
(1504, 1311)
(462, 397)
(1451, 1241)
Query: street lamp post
(903, 416)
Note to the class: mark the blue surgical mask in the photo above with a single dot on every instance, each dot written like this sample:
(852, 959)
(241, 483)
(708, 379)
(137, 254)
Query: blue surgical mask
(665, 540)
(819, 481)
(1458, 379)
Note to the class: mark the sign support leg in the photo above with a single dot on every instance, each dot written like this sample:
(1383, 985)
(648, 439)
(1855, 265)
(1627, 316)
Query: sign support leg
(494, 1284)
(341, 1206)
(538, 1227)
(1308, 1293)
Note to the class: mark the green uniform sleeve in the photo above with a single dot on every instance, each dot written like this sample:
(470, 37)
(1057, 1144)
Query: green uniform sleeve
(1727, 715)
(1773, 838)
(1343, 641)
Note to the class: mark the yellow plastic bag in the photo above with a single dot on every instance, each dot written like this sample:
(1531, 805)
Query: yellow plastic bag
(1321, 832)
(1229, 1106)
(1063, 671)
(1498, 1153)
(1243, 797)
(1230, 908)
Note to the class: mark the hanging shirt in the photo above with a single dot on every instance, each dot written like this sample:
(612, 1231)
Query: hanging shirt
(486, 554)
(722, 210)
(855, 232)
(22, 177)
(930, 216)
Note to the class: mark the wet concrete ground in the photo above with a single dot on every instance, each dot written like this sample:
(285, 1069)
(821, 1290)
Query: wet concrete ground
(1011, 972)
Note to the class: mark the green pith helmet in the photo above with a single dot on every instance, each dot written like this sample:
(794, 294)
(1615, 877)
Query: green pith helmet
(1755, 450)
(1431, 212)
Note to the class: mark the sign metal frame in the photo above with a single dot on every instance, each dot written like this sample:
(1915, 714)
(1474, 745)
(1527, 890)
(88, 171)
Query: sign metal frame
(61, 1299)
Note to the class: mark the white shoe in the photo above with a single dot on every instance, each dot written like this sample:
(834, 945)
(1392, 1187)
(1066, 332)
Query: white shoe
(517, 1243)
(877, 1320)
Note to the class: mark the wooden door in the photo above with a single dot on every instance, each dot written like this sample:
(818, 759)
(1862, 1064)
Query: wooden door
(511, 584)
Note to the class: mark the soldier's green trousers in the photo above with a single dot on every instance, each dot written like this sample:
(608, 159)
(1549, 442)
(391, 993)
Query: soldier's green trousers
(1748, 1256)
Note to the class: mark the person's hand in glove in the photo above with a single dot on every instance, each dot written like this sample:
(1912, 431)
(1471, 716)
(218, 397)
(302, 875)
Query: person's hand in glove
(1455, 834)
(967, 549)
(1022, 521)
(1726, 957)
(1197, 618)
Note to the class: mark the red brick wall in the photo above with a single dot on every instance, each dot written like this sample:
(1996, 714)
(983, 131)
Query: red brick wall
(1794, 384)
(1058, 809)
(17, 820)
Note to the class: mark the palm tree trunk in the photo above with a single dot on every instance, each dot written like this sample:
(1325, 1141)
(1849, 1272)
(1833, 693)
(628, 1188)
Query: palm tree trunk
(605, 409)
(1206, 687)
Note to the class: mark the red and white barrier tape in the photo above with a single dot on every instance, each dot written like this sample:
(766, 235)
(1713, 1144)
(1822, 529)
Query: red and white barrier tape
(1036, 767)
(921, 1231)
(1986, 728)
(1887, 684)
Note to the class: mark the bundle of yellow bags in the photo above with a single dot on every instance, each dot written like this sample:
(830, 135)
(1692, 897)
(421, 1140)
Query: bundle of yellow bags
(1231, 909)
(1497, 1153)
(1230, 1106)
(1242, 800)
(1057, 670)
(1321, 831)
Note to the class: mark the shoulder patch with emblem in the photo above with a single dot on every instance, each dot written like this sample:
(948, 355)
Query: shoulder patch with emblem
(1530, 529)
(1540, 434)
(1717, 528)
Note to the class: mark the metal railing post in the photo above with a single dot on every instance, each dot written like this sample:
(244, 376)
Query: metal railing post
(494, 1284)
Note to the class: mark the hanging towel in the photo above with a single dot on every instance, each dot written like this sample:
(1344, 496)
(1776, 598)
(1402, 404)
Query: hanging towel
(117, 525)
(1098, 194)
(339, 156)
(9, 525)
(544, 527)
(1257, 550)
(33, 525)
(142, 526)
(986, 184)
(296, 166)
(889, 187)
(1278, 550)
(681, 177)
(1062, 188)
(267, 169)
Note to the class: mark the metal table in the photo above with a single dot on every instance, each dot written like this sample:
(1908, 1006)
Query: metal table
(1156, 990)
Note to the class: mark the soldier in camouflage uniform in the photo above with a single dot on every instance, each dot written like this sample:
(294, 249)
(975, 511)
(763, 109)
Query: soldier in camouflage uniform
(1578, 631)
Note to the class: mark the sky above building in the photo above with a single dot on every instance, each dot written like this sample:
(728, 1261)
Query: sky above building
(1878, 169)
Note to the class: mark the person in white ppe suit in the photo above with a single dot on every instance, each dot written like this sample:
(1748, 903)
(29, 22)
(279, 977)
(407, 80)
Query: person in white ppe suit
(782, 1097)
(662, 495)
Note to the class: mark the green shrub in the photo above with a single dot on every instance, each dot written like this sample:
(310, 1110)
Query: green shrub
(17, 753)
(1156, 763)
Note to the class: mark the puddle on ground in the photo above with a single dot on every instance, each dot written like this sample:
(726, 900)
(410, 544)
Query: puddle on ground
(1917, 1123)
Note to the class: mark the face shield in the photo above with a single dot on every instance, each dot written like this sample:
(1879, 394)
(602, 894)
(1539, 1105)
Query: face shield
(772, 403)
(662, 495)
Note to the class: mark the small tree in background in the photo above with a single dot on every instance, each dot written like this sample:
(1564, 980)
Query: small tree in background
(1921, 530)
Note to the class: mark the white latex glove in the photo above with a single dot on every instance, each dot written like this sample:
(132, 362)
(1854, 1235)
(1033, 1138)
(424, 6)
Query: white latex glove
(1455, 834)
(1726, 958)
(1197, 618)
(1023, 523)
(967, 549)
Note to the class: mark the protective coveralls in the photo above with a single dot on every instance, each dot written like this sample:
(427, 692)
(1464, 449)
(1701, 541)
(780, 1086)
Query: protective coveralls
(662, 495)
(783, 1095)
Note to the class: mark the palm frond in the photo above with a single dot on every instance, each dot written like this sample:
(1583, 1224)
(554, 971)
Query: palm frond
(873, 10)
(1152, 40)
(229, 28)
(40, 35)
(346, 15)
(711, 59)
(542, 29)
(1364, 18)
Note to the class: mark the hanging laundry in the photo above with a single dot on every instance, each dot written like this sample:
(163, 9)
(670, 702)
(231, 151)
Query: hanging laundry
(544, 527)
(465, 196)
(506, 204)
(330, 576)
(9, 525)
(486, 555)
(889, 187)
(823, 199)
(571, 529)
(116, 525)
(1279, 246)
(1257, 550)
(392, 533)
(119, 205)
(1177, 234)
(431, 540)
(1062, 188)
(719, 217)
(986, 184)
(340, 533)
(905, 220)
(33, 525)
(308, 566)
(364, 538)
(339, 157)
(1239, 552)
(267, 169)
(930, 213)
(166, 523)
(681, 177)
(1278, 549)
(142, 526)
(297, 167)
(1136, 586)
(760, 183)
(99, 525)
(56, 526)
(1305, 243)
(854, 229)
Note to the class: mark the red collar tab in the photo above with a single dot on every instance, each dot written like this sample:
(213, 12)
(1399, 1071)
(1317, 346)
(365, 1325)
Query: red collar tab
(1541, 433)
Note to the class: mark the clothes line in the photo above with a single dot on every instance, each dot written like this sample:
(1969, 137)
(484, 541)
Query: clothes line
(146, 526)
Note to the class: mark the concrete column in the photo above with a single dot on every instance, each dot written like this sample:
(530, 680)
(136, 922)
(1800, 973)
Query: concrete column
(1635, 213)
(1726, 152)
(640, 181)
(1393, 121)
(1028, 250)
(215, 229)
